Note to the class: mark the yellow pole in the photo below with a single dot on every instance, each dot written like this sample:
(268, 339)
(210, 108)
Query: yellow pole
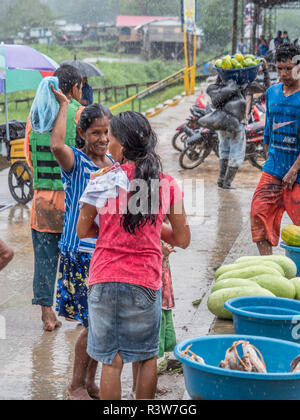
(186, 75)
(193, 71)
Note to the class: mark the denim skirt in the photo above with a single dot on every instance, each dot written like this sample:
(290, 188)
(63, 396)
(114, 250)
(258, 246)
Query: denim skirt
(125, 319)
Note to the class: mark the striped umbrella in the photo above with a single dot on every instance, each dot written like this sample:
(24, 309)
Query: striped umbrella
(22, 68)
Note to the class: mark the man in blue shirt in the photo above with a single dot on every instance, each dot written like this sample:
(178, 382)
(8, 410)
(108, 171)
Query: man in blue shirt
(279, 187)
(87, 97)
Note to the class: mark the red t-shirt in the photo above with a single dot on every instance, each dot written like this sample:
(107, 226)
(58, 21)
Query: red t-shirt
(125, 258)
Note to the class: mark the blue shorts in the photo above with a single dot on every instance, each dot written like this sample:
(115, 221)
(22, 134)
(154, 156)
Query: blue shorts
(124, 319)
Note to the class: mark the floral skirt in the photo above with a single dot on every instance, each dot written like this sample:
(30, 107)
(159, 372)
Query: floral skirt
(72, 286)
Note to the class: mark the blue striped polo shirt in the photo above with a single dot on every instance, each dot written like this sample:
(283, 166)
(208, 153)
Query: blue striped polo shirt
(75, 182)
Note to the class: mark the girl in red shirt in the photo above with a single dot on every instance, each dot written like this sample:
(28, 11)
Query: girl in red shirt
(132, 199)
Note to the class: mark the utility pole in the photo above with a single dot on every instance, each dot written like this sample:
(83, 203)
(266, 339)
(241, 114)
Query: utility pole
(235, 26)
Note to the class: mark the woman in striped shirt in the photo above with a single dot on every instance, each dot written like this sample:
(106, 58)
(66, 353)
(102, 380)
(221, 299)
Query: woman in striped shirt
(75, 254)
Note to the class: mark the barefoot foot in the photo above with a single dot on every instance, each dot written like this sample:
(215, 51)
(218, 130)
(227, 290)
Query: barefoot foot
(93, 391)
(49, 319)
(79, 394)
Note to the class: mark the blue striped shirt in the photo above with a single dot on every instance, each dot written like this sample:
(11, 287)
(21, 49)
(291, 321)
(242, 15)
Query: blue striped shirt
(75, 182)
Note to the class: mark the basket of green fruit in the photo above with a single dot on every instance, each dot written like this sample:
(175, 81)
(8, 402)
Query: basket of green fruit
(242, 69)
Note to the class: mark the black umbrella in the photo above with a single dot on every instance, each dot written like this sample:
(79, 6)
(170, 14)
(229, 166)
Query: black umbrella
(85, 69)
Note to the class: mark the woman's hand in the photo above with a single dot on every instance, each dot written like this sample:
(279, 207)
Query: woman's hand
(167, 249)
(63, 154)
(60, 97)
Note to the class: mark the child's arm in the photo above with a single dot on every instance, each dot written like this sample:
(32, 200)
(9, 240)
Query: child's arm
(86, 226)
(178, 234)
(63, 153)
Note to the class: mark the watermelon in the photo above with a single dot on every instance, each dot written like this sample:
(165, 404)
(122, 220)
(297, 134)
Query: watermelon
(248, 272)
(288, 265)
(217, 300)
(280, 287)
(231, 267)
(296, 283)
(229, 283)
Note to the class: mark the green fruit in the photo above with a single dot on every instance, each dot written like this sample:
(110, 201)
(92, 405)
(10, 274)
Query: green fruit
(250, 63)
(258, 61)
(231, 267)
(226, 64)
(218, 63)
(288, 265)
(217, 300)
(230, 283)
(248, 272)
(239, 57)
(245, 63)
(249, 56)
(296, 283)
(280, 287)
(235, 64)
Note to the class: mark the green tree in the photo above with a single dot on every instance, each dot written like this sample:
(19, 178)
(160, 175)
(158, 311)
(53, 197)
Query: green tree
(25, 13)
(215, 19)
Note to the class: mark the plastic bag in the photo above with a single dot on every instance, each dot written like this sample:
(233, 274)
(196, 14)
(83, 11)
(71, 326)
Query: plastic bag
(44, 109)
(236, 107)
(220, 121)
(221, 94)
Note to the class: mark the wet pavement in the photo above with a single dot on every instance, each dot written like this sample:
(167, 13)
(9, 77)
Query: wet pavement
(38, 365)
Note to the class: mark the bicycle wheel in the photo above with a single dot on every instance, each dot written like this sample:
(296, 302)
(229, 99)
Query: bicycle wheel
(20, 182)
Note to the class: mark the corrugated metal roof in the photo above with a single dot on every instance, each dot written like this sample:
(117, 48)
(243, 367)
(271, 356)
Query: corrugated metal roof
(133, 21)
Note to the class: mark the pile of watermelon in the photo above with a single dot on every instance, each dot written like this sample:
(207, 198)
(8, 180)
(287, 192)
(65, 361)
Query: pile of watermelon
(273, 276)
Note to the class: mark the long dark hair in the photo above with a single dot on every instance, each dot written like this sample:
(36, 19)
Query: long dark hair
(139, 141)
(87, 117)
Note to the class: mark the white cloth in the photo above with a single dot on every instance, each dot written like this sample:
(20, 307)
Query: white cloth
(104, 187)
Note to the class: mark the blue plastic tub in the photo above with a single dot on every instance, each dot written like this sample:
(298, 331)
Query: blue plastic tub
(240, 76)
(293, 252)
(209, 382)
(267, 317)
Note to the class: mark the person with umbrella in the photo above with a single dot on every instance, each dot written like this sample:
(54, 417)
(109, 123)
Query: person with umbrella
(87, 97)
(86, 70)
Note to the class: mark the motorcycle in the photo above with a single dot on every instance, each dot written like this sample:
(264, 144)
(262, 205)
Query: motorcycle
(199, 144)
(192, 123)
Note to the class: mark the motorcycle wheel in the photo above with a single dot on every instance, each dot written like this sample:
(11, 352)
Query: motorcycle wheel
(259, 159)
(194, 156)
(178, 141)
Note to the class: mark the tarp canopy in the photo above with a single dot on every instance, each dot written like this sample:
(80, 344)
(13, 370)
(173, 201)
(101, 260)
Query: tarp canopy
(271, 3)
